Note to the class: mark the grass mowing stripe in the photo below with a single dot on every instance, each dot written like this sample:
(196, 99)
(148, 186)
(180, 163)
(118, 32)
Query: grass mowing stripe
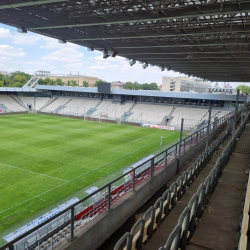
(31, 171)
(68, 149)
(82, 174)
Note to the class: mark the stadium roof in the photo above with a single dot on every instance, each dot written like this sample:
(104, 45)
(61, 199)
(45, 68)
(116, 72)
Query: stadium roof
(205, 38)
(153, 93)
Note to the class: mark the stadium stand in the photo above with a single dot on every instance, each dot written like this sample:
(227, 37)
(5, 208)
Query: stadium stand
(54, 104)
(115, 111)
(79, 106)
(28, 101)
(11, 104)
(149, 113)
(40, 102)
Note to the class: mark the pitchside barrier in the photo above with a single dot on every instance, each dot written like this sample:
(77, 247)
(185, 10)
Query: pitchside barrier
(102, 199)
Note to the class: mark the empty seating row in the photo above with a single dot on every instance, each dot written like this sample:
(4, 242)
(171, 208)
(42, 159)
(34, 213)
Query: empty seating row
(242, 231)
(40, 102)
(187, 222)
(144, 228)
(111, 110)
(54, 104)
(79, 107)
(11, 104)
(149, 113)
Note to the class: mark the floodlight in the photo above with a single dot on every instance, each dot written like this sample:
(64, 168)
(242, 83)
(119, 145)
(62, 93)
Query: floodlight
(62, 41)
(151, 65)
(105, 54)
(112, 52)
(140, 62)
(22, 30)
(90, 49)
(168, 68)
(145, 65)
(162, 68)
(132, 62)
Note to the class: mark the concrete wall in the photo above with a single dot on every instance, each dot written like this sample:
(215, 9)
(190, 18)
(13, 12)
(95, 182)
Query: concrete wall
(14, 113)
(103, 226)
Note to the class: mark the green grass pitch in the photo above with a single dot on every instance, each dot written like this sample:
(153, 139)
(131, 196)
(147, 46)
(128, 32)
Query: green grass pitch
(45, 158)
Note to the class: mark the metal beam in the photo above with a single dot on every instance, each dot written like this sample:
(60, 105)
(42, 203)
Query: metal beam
(191, 58)
(157, 35)
(25, 4)
(186, 53)
(177, 46)
(144, 20)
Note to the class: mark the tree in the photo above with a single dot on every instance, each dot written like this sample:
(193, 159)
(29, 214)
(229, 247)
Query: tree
(17, 85)
(59, 81)
(154, 86)
(42, 82)
(145, 86)
(85, 84)
(96, 82)
(2, 84)
(20, 78)
(128, 85)
(244, 88)
(74, 83)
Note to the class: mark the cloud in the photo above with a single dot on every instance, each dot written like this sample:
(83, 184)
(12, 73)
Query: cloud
(9, 51)
(66, 55)
(20, 39)
(51, 43)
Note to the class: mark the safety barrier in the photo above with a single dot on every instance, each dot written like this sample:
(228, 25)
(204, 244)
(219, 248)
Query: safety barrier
(241, 232)
(193, 212)
(144, 227)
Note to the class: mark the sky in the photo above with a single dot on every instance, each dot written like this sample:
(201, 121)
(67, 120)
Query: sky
(31, 52)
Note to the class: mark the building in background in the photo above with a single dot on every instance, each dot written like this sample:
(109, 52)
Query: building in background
(6, 73)
(117, 85)
(184, 84)
(78, 78)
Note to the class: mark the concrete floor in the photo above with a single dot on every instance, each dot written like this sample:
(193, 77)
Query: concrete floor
(217, 230)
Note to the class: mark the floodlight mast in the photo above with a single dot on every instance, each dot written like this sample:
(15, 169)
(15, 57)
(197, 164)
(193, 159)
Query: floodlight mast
(36, 77)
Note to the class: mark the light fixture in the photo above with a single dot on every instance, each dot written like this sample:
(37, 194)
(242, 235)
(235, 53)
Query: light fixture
(112, 52)
(22, 30)
(168, 68)
(162, 68)
(132, 62)
(145, 65)
(105, 54)
(140, 62)
(151, 65)
(62, 41)
(90, 49)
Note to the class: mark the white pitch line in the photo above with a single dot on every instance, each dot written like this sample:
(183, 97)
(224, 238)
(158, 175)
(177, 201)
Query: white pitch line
(81, 175)
(32, 172)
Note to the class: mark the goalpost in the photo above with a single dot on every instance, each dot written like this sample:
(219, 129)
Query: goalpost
(103, 116)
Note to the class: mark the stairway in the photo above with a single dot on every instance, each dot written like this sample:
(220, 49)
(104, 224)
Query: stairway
(48, 103)
(17, 100)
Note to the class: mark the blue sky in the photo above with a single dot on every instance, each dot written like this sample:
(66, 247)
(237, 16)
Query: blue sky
(31, 52)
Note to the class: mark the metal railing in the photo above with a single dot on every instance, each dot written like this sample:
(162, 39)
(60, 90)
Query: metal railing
(167, 202)
(115, 189)
(193, 212)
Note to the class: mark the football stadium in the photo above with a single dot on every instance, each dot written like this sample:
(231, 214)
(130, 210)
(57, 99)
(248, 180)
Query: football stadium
(100, 168)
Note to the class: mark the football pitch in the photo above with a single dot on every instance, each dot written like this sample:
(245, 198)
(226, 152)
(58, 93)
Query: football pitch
(44, 159)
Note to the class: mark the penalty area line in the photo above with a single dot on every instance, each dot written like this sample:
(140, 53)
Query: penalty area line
(32, 172)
